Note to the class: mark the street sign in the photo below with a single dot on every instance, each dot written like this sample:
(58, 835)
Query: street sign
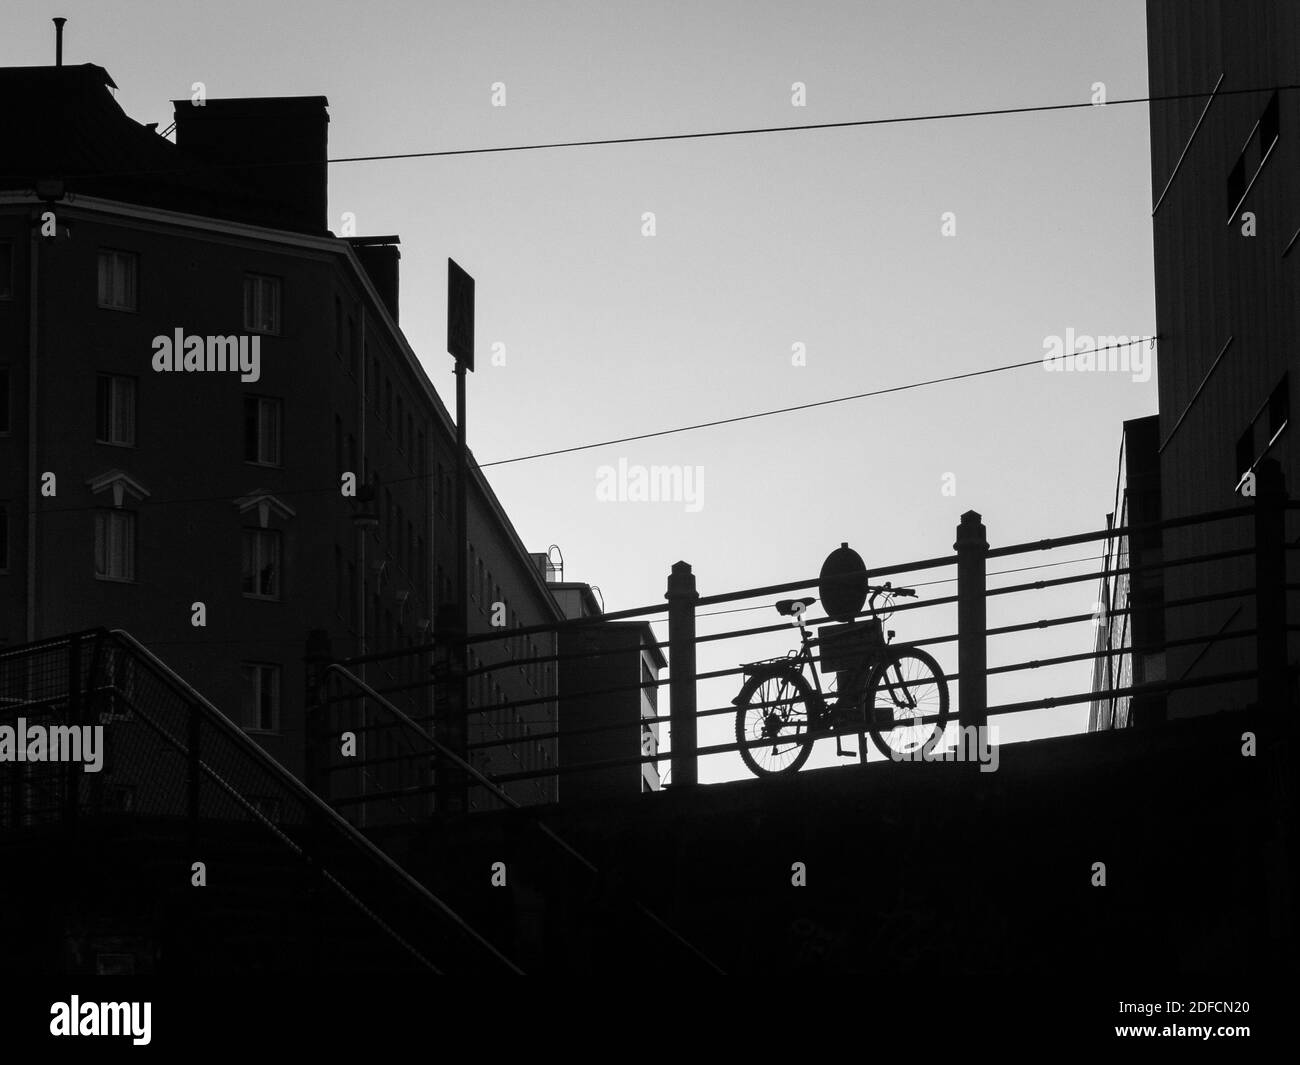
(460, 315)
(842, 586)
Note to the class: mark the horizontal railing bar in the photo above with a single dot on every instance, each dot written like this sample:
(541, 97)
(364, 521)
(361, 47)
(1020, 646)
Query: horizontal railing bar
(1111, 652)
(1128, 530)
(1135, 690)
(563, 625)
(1054, 582)
(794, 586)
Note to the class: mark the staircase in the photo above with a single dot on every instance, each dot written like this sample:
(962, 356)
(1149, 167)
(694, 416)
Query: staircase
(101, 864)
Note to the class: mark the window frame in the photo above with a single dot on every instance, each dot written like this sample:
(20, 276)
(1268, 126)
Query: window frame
(259, 669)
(277, 404)
(6, 271)
(112, 380)
(114, 256)
(6, 400)
(272, 283)
(275, 537)
(128, 521)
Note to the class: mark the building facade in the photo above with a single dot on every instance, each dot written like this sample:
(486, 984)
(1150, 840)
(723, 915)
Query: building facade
(193, 373)
(1226, 222)
(609, 688)
(1129, 610)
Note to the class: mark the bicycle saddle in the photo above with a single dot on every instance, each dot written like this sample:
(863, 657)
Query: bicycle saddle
(786, 606)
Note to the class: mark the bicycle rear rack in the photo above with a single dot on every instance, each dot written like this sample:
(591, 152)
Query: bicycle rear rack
(753, 667)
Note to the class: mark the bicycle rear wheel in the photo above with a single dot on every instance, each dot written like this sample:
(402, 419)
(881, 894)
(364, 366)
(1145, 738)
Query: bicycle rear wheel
(773, 724)
(907, 704)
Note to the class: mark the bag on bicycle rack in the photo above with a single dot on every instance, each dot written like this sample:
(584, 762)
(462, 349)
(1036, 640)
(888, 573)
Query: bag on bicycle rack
(851, 647)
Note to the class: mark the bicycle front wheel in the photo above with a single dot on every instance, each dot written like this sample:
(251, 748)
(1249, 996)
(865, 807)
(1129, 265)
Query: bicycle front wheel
(773, 725)
(907, 704)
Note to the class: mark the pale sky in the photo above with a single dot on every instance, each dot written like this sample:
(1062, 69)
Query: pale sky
(827, 238)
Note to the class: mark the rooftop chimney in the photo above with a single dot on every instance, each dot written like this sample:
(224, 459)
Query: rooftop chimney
(274, 146)
(379, 256)
(58, 41)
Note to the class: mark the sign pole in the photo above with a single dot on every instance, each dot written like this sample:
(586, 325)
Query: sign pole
(460, 345)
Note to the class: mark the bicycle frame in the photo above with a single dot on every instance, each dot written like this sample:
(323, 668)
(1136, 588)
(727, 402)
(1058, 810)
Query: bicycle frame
(876, 694)
(821, 714)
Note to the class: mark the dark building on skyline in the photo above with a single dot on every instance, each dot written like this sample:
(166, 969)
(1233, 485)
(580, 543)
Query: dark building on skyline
(200, 507)
(1226, 227)
(610, 698)
(1129, 611)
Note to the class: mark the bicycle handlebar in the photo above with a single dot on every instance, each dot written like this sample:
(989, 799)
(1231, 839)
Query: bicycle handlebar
(887, 587)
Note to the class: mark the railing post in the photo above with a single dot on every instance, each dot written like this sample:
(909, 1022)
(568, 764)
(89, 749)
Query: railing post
(194, 767)
(1270, 586)
(316, 713)
(75, 715)
(972, 622)
(681, 596)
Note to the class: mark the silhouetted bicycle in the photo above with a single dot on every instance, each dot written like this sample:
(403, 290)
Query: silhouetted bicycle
(895, 693)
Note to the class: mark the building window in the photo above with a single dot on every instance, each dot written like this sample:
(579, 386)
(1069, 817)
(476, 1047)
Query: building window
(1270, 125)
(262, 430)
(260, 704)
(1264, 429)
(354, 616)
(261, 563)
(1253, 154)
(115, 545)
(6, 271)
(1245, 451)
(117, 280)
(1279, 407)
(115, 410)
(261, 304)
(6, 423)
(338, 580)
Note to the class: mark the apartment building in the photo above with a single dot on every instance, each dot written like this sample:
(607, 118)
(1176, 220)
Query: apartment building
(193, 367)
(1225, 178)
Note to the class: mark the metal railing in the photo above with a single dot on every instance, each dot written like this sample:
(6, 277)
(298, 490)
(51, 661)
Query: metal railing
(173, 760)
(612, 740)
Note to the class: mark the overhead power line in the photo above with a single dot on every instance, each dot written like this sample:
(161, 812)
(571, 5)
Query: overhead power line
(810, 406)
(334, 487)
(197, 166)
(804, 126)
